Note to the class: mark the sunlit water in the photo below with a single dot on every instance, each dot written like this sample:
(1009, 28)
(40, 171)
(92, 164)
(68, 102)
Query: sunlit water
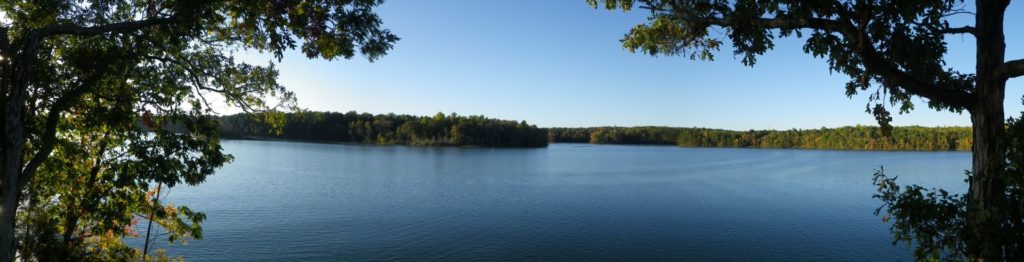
(284, 201)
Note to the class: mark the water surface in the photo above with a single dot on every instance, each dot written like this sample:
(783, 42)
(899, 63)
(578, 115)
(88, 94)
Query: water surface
(286, 201)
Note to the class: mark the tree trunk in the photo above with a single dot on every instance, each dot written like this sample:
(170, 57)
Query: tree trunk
(16, 80)
(8, 206)
(152, 211)
(987, 184)
(9, 191)
(10, 171)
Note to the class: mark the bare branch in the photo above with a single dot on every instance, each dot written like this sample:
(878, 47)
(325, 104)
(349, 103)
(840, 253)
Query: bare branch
(960, 11)
(1011, 69)
(957, 30)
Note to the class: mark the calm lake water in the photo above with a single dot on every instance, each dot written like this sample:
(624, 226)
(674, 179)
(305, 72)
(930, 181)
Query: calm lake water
(285, 201)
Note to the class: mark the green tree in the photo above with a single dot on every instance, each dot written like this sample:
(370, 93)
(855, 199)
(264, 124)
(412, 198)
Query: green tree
(896, 48)
(75, 69)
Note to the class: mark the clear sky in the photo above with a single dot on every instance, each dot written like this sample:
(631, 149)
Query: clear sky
(560, 63)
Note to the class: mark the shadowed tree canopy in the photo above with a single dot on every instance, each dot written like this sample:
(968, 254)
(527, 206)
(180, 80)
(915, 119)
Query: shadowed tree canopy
(118, 93)
(352, 127)
(893, 49)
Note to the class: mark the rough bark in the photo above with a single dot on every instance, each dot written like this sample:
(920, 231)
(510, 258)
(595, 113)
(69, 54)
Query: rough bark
(987, 185)
(14, 143)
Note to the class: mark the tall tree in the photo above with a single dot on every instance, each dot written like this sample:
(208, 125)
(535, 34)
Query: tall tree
(895, 49)
(154, 62)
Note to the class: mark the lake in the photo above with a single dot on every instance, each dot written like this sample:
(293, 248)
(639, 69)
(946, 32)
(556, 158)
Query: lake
(288, 201)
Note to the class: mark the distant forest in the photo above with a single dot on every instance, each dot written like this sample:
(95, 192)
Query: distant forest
(457, 130)
(352, 127)
(853, 138)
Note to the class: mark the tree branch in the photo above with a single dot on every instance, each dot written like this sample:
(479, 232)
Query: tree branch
(909, 83)
(779, 23)
(872, 61)
(957, 30)
(776, 23)
(1011, 69)
(199, 86)
(71, 29)
(49, 137)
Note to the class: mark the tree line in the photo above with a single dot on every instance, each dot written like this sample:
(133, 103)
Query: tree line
(353, 127)
(457, 130)
(851, 137)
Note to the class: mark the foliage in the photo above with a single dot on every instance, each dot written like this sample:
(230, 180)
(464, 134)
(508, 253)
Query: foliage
(934, 220)
(103, 100)
(97, 186)
(855, 137)
(451, 130)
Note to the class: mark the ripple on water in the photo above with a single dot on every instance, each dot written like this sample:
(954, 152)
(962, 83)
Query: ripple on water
(328, 202)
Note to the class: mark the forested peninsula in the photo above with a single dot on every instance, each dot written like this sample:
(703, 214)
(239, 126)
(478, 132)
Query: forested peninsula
(352, 127)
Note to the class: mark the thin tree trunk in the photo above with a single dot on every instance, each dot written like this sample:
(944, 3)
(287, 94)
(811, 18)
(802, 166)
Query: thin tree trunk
(89, 199)
(149, 228)
(987, 184)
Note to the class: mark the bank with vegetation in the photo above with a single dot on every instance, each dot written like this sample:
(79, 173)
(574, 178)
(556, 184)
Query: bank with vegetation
(458, 130)
(849, 138)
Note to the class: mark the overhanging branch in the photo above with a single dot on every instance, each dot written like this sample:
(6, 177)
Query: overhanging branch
(872, 61)
(910, 84)
(773, 23)
(71, 29)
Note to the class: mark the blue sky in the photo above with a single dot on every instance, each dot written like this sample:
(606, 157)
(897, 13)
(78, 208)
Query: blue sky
(560, 63)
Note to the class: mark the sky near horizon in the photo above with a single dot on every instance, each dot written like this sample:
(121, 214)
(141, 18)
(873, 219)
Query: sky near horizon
(560, 63)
